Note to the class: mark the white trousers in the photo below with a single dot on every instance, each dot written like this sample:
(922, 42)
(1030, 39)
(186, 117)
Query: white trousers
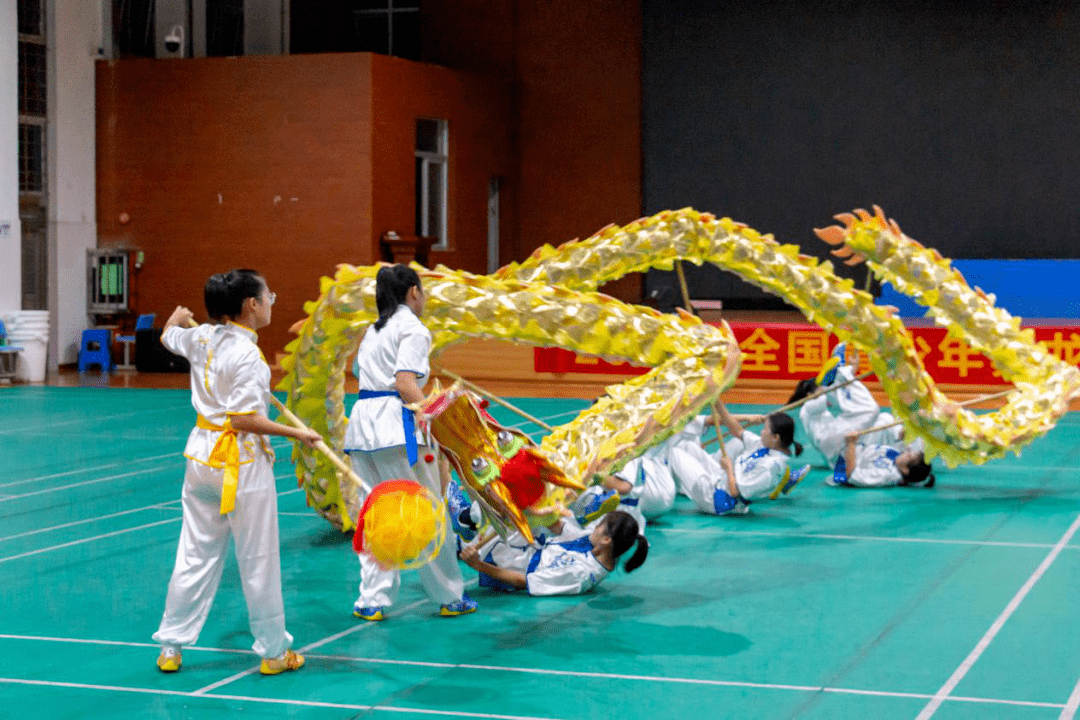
(441, 578)
(659, 494)
(697, 474)
(200, 557)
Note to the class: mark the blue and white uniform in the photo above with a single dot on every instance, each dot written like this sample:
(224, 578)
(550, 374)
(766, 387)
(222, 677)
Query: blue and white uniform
(229, 377)
(700, 476)
(856, 410)
(380, 439)
(653, 488)
(563, 566)
(875, 466)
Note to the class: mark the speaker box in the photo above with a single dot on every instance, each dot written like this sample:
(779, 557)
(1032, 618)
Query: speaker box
(152, 356)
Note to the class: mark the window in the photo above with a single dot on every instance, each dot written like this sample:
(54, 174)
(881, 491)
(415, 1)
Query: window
(31, 158)
(431, 180)
(388, 27)
(32, 97)
(133, 28)
(224, 28)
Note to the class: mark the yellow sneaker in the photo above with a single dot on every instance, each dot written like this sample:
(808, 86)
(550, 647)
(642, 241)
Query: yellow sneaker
(288, 661)
(169, 660)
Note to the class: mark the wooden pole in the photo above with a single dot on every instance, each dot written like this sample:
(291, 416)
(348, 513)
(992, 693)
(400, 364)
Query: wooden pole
(494, 398)
(972, 401)
(808, 398)
(683, 287)
(320, 445)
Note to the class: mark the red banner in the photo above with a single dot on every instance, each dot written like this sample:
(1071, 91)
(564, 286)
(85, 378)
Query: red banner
(784, 351)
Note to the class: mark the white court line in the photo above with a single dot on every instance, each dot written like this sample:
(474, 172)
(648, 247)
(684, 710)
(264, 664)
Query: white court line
(157, 506)
(1069, 712)
(270, 701)
(94, 418)
(541, 671)
(31, 553)
(84, 482)
(275, 446)
(986, 639)
(871, 538)
(118, 532)
(90, 469)
(318, 643)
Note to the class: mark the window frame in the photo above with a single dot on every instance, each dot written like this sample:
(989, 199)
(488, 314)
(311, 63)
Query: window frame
(440, 157)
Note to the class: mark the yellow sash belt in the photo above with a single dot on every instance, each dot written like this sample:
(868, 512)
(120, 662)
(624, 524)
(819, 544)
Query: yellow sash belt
(226, 454)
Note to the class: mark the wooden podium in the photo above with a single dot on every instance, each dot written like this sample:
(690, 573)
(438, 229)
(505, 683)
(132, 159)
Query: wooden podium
(398, 249)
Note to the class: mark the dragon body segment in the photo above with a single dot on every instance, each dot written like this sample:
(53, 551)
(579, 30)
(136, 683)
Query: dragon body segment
(551, 300)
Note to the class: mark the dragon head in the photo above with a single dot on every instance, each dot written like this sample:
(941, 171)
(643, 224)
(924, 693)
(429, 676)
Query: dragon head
(516, 485)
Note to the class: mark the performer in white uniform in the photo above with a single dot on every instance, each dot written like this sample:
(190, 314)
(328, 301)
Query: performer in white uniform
(876, 465)
(645, 486)
(229, 482)
(856, 410)
(572, 564)
(384, 443)
(759, 469)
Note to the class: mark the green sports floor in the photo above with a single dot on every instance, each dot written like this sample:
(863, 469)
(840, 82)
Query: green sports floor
(956, 602)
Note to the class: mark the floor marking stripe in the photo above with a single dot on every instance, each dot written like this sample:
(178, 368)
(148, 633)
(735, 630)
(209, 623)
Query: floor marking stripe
(166, 505)
(93, 418)
(870, 538)
(80, 484)
(269, 701)
(156, 506)
(986, 639)
(1071, 705)
(532, 671)
(92, 469)
(89, 539)
(317, 644)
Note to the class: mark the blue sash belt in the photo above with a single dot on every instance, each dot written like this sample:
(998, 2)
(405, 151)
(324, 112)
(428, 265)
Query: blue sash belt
(406, 421)
(840, 471)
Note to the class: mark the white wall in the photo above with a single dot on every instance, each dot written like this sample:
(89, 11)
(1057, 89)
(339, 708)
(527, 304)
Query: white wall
(10, 246)
(74, 37)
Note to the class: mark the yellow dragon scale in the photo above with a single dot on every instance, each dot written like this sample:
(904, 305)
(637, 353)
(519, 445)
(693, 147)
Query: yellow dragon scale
(550, 300)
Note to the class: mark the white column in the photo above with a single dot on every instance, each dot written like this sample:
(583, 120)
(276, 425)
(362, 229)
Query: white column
(11, 243)
(74, 36)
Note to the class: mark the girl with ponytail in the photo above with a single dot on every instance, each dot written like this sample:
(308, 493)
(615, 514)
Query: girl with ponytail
(384, 442)
(751, 467)
(566, 567)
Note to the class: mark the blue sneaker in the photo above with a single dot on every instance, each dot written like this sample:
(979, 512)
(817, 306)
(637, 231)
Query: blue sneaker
(464, 606)
(795, 478)
(597, 506)
(828, 371)
(373, 613)
(459, 504)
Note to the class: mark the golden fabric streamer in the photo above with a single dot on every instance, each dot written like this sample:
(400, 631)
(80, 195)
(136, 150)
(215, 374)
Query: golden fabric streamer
(550, 300)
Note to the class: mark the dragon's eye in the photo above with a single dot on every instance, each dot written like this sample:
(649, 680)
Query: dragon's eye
(504, 438)
(478, 464)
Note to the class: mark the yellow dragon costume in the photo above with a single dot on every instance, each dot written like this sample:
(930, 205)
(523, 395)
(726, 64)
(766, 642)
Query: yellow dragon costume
(551, 300)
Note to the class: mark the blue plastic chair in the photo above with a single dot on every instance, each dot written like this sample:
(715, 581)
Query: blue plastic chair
(96, 349)
(145, 322)
(8, 353)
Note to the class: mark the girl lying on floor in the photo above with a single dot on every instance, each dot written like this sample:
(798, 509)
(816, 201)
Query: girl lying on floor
(573, 562)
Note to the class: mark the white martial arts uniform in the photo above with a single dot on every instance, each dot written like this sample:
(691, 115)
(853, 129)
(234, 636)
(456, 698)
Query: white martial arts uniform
(875, 466)
(758, 471)
(228, 377)
(857, 411)
(566, 566)
(377, 443)
(658, 484)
